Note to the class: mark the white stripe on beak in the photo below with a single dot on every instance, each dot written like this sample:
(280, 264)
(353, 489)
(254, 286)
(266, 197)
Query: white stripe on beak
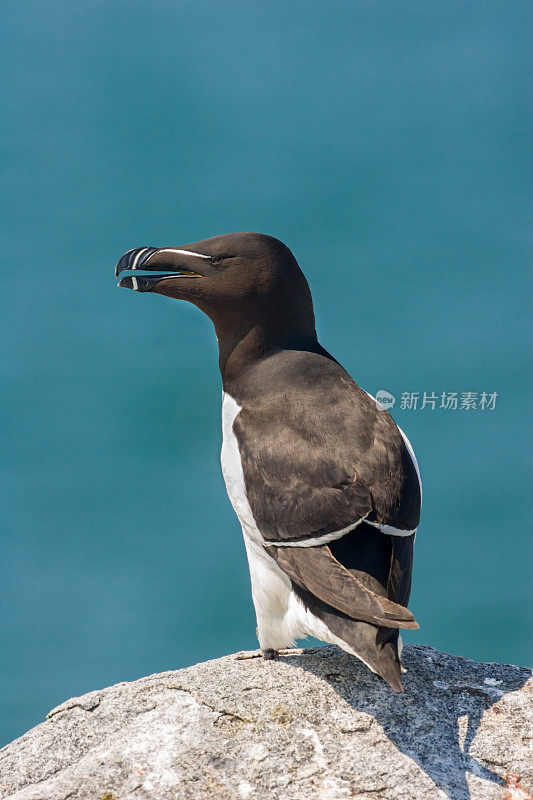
(137, 257)
(134, 283)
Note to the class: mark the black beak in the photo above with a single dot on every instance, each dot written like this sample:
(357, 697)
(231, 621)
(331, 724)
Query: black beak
(134, 259)
(138, 259)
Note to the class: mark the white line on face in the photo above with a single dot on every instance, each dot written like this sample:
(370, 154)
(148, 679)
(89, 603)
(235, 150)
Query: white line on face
(179, 252)
(137, 257)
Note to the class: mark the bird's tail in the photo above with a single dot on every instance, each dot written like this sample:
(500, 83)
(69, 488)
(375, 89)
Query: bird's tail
(381, 565)
(376, 647)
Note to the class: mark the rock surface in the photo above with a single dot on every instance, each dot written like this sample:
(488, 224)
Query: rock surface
(313, 724)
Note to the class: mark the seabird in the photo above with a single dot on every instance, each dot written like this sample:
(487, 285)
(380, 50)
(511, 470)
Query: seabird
(325, 484)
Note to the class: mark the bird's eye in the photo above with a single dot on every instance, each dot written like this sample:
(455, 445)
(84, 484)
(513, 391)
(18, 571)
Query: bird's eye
(216, 259)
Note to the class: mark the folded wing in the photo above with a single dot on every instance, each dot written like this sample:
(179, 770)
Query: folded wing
(317, 570)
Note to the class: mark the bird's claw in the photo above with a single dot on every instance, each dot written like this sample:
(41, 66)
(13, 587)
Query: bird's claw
(269, 654)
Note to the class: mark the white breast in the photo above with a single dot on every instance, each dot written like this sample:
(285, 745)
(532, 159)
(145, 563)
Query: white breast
(230, 459)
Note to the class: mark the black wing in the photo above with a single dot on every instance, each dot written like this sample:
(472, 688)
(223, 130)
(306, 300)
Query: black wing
(318, 456)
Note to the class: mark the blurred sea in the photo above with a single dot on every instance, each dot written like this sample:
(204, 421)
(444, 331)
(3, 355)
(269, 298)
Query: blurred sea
(386, 145)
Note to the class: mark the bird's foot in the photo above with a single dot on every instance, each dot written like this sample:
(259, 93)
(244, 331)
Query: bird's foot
(245, 655)
(268, 653)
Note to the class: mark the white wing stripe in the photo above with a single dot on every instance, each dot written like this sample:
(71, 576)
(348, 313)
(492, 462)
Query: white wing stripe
(331, 537)
(315, 540)
(390, 530)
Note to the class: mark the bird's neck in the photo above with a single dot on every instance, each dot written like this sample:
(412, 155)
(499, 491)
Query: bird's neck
(240, 350)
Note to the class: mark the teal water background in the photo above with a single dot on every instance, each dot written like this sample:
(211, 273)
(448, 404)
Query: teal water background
(386, 144)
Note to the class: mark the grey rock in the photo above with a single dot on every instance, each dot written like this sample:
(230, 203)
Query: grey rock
(312, 724)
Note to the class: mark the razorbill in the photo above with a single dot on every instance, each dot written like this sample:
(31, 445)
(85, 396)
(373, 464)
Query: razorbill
(324, 483)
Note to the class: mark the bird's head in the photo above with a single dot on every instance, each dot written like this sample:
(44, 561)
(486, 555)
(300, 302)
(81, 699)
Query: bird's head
(249, 284)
